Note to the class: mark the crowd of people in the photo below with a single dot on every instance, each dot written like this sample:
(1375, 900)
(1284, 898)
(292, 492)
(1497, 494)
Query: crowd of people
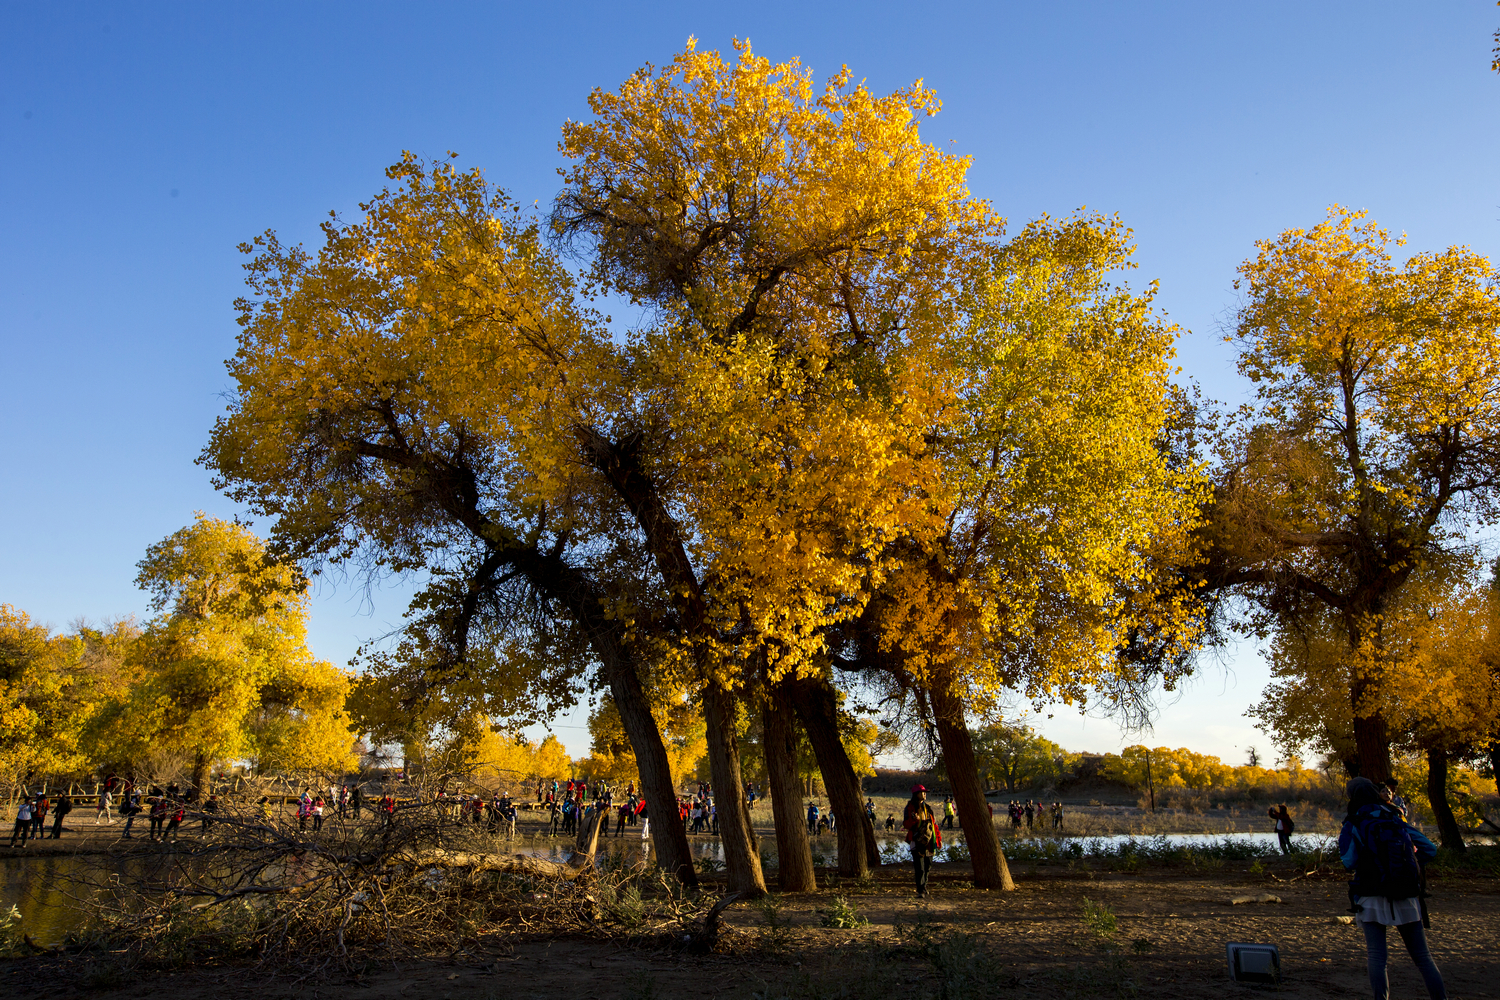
(164, 808)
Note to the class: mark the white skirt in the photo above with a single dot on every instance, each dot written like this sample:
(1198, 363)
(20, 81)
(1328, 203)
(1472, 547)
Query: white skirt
(1391, 912)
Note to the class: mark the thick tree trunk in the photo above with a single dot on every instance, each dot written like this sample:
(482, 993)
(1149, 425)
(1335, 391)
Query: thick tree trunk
(990, 869)
(201, 767)
(1437, 795)
(1372, 744)
(740, 854)
(818, 708)
(588, 830)
(668, 835)
(518, 864)
(793, 852)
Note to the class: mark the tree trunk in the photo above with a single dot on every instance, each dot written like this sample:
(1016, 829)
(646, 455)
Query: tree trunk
(1371, 741)
(793, 852)
(1437, 795)
(594, 819)
(668, 835)
(518, 864)
(201, 767)
(1495, 763)
(990, 869)
(620, 462)
(818, 708)
(740, 856)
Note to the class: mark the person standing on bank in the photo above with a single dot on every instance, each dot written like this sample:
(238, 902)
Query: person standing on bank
(63, 807)
(1284, 826)
(923, 835)
(1386, 855)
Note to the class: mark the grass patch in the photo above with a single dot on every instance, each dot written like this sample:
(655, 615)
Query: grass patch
(1481, 859)
(964, 967)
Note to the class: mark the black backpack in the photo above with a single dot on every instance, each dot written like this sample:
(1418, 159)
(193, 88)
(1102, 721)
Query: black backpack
(1385, 861)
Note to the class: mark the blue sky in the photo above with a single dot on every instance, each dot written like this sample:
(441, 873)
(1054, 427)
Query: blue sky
(140, 143)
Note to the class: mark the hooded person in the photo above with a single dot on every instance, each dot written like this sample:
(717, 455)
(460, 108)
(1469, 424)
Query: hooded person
(1386, 855)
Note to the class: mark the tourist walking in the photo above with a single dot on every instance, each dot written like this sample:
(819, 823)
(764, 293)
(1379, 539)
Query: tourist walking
(1387, 855)
(923, 835)
(130, 808)
(948, 812)
(158, 814)
(102, 815)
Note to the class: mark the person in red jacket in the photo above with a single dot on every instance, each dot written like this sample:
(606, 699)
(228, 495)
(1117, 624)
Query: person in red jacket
(923, 835)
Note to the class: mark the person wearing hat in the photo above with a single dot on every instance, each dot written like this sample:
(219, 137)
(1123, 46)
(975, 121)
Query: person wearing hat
(923, 835)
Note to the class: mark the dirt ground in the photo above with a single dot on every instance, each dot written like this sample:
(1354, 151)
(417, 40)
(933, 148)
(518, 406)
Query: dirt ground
(1171, 929)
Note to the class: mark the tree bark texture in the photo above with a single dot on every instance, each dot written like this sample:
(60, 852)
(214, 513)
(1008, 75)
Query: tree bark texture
(990, 869)
(741, 857)
(575, 592)
(200, 776)
(594, 818)
(793, 851)
(818, 708)
(668, 835)
(1449, 834)
(1373, 745)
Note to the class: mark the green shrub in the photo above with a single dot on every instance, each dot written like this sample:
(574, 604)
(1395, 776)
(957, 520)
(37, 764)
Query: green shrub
(843, 914)
(1099, 919)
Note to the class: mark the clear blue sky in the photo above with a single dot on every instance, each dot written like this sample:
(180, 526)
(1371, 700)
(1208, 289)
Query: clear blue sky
(140, 143)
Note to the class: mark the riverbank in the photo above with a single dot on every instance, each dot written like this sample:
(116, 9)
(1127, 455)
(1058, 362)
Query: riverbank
(1050, 937)
(1080, 820)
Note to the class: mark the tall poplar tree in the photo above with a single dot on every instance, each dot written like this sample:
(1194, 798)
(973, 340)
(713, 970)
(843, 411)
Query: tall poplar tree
(1372, 448)
(224, 670)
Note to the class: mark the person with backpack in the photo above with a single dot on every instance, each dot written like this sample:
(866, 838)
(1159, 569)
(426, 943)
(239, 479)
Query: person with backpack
(1284, 826)
(923, 835)
(1386, 855)
(39, 810)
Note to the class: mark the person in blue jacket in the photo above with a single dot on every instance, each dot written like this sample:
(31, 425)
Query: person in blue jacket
(1386, 855)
